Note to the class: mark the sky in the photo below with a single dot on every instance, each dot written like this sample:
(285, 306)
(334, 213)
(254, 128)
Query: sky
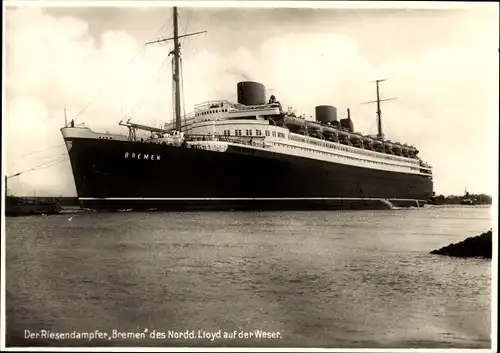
(441, 65)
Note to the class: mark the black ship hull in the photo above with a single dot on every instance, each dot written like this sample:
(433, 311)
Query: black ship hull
(123, 175)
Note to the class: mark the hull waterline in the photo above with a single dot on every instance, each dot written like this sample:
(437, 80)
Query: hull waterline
(116, 175)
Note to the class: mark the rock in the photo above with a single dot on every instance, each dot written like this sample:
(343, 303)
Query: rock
(478, 246)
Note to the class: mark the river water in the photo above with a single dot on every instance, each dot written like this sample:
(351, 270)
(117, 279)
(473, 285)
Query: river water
(309, 279)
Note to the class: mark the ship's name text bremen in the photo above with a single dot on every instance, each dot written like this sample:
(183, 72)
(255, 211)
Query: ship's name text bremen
(145, 156)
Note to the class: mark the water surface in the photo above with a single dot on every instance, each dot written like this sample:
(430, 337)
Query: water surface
(319, 279)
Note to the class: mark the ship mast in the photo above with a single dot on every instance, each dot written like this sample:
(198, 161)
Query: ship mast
(380, 134)
(176, 61)
(176, 75)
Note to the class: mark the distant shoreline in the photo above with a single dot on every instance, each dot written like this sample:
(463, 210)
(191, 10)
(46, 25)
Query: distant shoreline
(459, 204)
(62, 200)
(438, 201)
(468, 199)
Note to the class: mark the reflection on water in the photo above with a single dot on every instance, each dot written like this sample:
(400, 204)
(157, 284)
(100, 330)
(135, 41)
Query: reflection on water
(320, 279)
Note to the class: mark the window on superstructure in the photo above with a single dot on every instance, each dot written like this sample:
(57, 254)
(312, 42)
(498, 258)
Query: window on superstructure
(268, 133)
(274, 133)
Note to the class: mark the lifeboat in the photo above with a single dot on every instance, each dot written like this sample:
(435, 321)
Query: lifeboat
(388, 147)
(329, 131)
(333, 138)
(367, 139)
(378, 146)
(344, 137)
(342, 134)
(294, 121)
(368, 142)
(311, 125)
(405, 149)
(294, 124)
(357, 140)
(397, 149)
(331, 134)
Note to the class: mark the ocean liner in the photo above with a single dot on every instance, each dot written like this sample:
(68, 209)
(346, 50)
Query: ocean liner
(249, 155)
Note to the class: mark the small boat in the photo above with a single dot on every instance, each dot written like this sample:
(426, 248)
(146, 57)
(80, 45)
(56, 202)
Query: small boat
(21, 206)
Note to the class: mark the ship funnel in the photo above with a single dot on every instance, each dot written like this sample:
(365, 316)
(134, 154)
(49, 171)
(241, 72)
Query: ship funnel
(326, 114)
(347, 124)
(251, 93)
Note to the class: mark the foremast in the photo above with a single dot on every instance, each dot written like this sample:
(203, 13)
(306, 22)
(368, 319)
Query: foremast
(176, 73)
(176, 66)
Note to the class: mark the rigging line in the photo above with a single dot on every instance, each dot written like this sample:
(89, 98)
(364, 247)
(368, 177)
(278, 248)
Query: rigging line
(48, 165)
(182, 91)
(159, 30)
(60, 155)
(139, 102)
(187, 24)
(37, 160)
(158, 78)
(53, 164)
(38, 151)
(43, 165)
(99, 89)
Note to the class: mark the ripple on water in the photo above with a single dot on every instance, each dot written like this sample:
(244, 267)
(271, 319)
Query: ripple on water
(322, 279)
